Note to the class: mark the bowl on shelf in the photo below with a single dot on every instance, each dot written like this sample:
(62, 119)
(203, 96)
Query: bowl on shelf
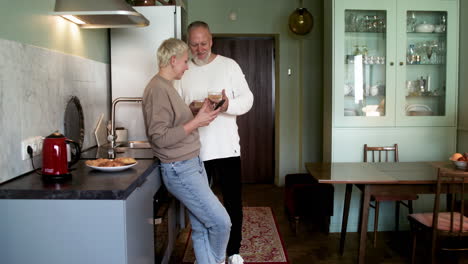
(426, 28)
(460, 165)
(439, 28)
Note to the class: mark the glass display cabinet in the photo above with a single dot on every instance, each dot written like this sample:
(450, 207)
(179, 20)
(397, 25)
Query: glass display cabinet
(395, 63)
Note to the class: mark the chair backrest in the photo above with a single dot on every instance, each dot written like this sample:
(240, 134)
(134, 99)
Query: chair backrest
(452, 221)
(381, 154)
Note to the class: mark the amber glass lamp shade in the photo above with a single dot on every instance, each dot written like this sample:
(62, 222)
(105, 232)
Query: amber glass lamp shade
(301, 21)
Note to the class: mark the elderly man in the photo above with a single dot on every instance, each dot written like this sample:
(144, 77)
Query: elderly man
(220, 148)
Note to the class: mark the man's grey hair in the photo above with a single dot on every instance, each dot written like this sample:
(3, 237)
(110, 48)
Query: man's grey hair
(197, 24)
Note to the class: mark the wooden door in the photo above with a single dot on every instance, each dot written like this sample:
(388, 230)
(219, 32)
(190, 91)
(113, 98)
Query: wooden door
(255, 55)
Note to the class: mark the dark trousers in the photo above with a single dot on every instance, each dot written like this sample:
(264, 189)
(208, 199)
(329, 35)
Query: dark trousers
(226, 173)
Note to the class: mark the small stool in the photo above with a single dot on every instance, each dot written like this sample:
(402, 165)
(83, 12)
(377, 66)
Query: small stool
(304, 196)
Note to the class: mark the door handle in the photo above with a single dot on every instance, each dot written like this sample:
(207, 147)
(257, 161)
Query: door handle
(391, 63)
(401, 63)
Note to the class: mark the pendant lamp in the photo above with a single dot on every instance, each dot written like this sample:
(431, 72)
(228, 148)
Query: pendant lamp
(301, 21)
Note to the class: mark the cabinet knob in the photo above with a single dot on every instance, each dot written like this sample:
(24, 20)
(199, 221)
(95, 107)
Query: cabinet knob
(391, 63)
(401, 63)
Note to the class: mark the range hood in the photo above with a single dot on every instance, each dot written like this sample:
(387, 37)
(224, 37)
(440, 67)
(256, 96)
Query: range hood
(100, 13)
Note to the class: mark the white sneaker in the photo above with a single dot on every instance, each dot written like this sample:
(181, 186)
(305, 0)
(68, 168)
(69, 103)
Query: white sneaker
(235, 259)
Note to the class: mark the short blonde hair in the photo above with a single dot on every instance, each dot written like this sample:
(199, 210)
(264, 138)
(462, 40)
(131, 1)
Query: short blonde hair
(170, 47)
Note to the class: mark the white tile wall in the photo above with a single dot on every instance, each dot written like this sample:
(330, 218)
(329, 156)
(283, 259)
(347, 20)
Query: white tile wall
(35, 86)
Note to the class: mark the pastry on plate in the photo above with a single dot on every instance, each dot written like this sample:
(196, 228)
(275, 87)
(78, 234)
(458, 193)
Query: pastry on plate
(126, 160)
(118, 162)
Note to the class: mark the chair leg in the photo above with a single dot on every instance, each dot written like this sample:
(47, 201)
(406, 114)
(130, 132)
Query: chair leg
(376, 222)
(296, 225)
(413, 247)
(410, 206)
(327, 225)
(397, 215)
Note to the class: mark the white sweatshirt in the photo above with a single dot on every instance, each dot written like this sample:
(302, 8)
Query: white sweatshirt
(220, 139)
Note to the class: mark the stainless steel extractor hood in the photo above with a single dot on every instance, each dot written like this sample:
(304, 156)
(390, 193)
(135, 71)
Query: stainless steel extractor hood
(100, 13)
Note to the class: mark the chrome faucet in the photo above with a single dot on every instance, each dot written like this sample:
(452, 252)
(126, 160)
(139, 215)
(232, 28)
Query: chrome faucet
(111, 138)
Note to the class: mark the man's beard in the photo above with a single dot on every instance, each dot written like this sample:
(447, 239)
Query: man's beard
(201, 62)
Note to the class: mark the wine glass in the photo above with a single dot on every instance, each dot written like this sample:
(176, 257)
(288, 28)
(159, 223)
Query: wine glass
(410, 22)
(429, 50)
(214, 96)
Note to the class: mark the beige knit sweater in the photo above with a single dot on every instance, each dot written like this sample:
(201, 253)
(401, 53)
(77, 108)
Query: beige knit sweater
(165, 114)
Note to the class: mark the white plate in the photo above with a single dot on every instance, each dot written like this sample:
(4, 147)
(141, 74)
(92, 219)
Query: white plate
(112, 169)
(418, 107)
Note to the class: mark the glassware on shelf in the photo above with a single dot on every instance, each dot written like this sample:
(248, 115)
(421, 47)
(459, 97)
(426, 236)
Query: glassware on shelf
(356, 51)
(364, 51)
(429, 50)
(410, 22)
(351, 22)
(443, 23)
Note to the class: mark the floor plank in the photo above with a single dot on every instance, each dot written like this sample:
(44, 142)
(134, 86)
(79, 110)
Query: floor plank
(313, 246)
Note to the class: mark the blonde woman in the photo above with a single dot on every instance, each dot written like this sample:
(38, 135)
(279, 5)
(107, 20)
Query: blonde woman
(172, 130)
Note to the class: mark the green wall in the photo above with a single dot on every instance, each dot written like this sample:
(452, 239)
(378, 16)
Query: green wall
(299, 96)
(30, 22)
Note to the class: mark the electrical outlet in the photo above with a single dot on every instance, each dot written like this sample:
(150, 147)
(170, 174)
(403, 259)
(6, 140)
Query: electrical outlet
(36, 145)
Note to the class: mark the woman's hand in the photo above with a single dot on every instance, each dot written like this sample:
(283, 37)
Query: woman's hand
(205, 115)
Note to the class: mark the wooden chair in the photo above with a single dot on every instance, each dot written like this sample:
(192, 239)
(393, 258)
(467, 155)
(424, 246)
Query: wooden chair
(449, 229)
(386, 154)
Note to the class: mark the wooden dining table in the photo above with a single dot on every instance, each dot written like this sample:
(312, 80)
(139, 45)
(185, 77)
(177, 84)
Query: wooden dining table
(376, 179)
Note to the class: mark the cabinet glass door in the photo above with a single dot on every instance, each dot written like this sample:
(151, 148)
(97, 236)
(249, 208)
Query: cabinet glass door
(365, 50)
(426, 71)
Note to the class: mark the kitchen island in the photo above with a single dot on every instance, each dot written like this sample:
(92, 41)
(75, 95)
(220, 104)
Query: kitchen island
(96, 217)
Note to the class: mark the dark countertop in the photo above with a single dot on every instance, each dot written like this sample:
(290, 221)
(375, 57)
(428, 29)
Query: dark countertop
(86, 183)
(102, 152)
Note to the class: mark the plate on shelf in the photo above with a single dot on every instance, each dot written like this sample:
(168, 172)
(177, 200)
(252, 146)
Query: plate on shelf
(418, 110)
(112, 169)
(418, 107)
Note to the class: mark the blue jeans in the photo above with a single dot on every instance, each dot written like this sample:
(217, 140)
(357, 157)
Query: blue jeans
(211, 225)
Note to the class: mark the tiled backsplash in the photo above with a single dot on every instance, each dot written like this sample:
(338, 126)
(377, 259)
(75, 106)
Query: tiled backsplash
(35, 86)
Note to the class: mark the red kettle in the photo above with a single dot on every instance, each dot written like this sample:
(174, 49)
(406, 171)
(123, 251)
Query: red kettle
(55, 165)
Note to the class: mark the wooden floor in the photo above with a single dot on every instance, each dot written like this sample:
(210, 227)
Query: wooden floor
(312, 246)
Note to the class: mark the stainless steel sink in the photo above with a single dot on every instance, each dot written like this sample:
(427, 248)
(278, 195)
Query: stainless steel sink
(134, 145)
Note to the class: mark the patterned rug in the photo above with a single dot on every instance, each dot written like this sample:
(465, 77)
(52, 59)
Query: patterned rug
(261, 240)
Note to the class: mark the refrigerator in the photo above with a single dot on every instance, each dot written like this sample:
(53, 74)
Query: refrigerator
(134, 62)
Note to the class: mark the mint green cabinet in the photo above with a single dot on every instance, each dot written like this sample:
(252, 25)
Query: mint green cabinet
(394, 63)
(391, 76)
